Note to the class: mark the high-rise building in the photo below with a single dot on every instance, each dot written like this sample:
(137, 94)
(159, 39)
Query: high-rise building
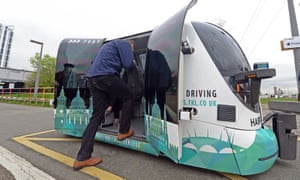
(6, 37)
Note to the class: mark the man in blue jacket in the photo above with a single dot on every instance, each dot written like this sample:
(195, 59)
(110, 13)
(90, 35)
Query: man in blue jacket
(105, 83)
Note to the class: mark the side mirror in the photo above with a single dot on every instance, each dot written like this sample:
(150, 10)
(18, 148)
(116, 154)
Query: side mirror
(186, 48)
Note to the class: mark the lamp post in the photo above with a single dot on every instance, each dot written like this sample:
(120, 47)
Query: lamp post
(295, 33)
(36, 86)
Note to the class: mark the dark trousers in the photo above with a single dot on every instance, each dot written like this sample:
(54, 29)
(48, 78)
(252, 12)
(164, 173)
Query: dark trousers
(102, 89)
(116, 107)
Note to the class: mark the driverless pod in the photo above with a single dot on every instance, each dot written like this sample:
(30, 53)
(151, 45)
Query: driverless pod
(200, 105)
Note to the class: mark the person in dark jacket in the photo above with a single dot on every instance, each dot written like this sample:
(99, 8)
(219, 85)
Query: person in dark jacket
(157, 80)
(105, 82)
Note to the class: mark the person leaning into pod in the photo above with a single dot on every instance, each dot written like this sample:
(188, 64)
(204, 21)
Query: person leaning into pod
(105, 82)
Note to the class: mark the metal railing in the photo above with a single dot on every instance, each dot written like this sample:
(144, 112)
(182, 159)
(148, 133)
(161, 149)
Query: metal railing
(44, 96)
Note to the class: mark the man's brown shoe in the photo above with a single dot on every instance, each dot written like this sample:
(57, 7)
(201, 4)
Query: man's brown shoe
(121, 136)
(89, 162)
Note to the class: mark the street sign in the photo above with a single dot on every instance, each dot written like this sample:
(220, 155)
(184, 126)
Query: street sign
(290, 43)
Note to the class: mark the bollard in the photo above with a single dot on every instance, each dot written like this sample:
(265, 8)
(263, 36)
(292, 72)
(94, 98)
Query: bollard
(283, 124)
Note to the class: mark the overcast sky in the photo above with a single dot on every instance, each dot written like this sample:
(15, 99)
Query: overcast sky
(258, 25)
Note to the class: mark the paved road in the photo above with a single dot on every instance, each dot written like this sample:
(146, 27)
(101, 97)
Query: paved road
(19, 120)
(5, 174)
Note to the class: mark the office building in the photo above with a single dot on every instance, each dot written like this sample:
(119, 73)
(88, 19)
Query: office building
(6, 37)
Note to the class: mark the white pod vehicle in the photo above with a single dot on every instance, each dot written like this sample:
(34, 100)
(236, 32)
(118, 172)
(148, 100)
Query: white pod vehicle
(200, 106)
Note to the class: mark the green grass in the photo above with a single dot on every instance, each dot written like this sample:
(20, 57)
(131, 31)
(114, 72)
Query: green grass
(27, 103)
(266, 100)
(27, 99)
(26, 95)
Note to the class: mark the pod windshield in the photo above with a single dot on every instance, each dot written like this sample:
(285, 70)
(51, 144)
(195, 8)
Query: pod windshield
(228, 58)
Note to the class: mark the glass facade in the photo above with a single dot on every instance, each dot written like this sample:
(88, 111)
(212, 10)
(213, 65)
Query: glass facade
(6, 37)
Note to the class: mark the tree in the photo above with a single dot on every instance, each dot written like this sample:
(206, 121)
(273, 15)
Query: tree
(47, 71)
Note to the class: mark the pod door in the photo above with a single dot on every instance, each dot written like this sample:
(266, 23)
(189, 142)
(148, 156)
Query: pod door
(162, 82)
(134, 78)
